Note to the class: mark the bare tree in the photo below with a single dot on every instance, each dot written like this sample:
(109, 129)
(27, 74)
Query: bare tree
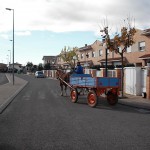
(120, 42)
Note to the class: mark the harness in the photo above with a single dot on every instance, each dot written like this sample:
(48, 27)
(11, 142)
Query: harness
(60, 74)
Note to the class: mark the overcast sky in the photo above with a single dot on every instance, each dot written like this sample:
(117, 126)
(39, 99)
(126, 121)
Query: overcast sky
(44, 27)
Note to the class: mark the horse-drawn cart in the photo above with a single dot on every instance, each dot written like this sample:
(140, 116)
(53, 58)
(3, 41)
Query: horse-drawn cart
(95, 86)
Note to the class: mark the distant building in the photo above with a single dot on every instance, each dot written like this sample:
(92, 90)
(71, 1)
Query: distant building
(51, 60)
(3, 67)
(16, 66)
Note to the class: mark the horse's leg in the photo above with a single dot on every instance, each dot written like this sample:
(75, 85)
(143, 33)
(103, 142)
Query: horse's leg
(61, 89)
(66, 90)
(81, 91)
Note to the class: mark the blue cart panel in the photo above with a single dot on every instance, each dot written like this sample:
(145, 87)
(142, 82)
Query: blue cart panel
(85, 80)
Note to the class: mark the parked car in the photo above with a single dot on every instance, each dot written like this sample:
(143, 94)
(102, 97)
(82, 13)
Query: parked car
(39, 74)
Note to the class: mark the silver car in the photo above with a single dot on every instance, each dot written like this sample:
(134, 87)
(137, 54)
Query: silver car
(39, 74)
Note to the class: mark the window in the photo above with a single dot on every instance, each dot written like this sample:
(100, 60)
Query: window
(87, 55)
(82, 55)
(141, 46)
(100, 52)
(93, 54)
(120, 49)
(128, 49)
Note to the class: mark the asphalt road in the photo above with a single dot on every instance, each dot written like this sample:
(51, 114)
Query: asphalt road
(40, 119)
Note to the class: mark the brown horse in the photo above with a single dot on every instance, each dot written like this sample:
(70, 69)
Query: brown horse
(62, 76)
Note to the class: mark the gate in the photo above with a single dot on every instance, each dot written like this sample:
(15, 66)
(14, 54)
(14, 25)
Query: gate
(143, 80)
(133, 80)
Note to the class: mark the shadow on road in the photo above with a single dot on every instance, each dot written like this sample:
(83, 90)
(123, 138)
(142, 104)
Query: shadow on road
(103, 104)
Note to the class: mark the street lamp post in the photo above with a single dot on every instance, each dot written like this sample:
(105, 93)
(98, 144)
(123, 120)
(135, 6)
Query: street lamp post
(10, 56)
(106, 55)
(74, 59)
(105, 39)
(7, 60)
(13, 41)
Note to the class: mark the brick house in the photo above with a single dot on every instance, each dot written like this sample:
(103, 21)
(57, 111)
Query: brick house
(138, 54)
(90, 54)
(95, 54)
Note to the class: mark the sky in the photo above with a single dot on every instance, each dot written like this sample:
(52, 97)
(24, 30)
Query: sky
(44, 27)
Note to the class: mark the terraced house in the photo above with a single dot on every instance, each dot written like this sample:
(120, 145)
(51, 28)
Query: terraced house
(94, 54)
(137, 55)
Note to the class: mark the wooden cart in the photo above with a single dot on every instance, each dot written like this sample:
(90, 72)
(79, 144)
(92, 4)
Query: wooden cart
(95, 86)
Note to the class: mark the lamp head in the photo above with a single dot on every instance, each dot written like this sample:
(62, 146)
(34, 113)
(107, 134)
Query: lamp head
(8, 9)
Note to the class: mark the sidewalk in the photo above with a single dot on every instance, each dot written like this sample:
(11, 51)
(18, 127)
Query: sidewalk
(8, 91)
(135, 101)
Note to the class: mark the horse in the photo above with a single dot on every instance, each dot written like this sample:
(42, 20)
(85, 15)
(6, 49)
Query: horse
(62, 76)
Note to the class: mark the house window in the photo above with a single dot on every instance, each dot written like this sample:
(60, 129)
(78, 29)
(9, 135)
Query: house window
(141, 46)
(100, 52)
(120, 49)
(82, 55)
(128, 49)
(93, 54)
(87, 55)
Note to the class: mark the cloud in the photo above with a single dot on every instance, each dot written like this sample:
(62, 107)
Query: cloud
(71, 15)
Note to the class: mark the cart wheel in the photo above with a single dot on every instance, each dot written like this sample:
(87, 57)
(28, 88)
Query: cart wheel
(112, 98)
(92, 99)
(74, 95)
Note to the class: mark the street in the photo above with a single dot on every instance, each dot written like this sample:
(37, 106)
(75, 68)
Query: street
(40, 119)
